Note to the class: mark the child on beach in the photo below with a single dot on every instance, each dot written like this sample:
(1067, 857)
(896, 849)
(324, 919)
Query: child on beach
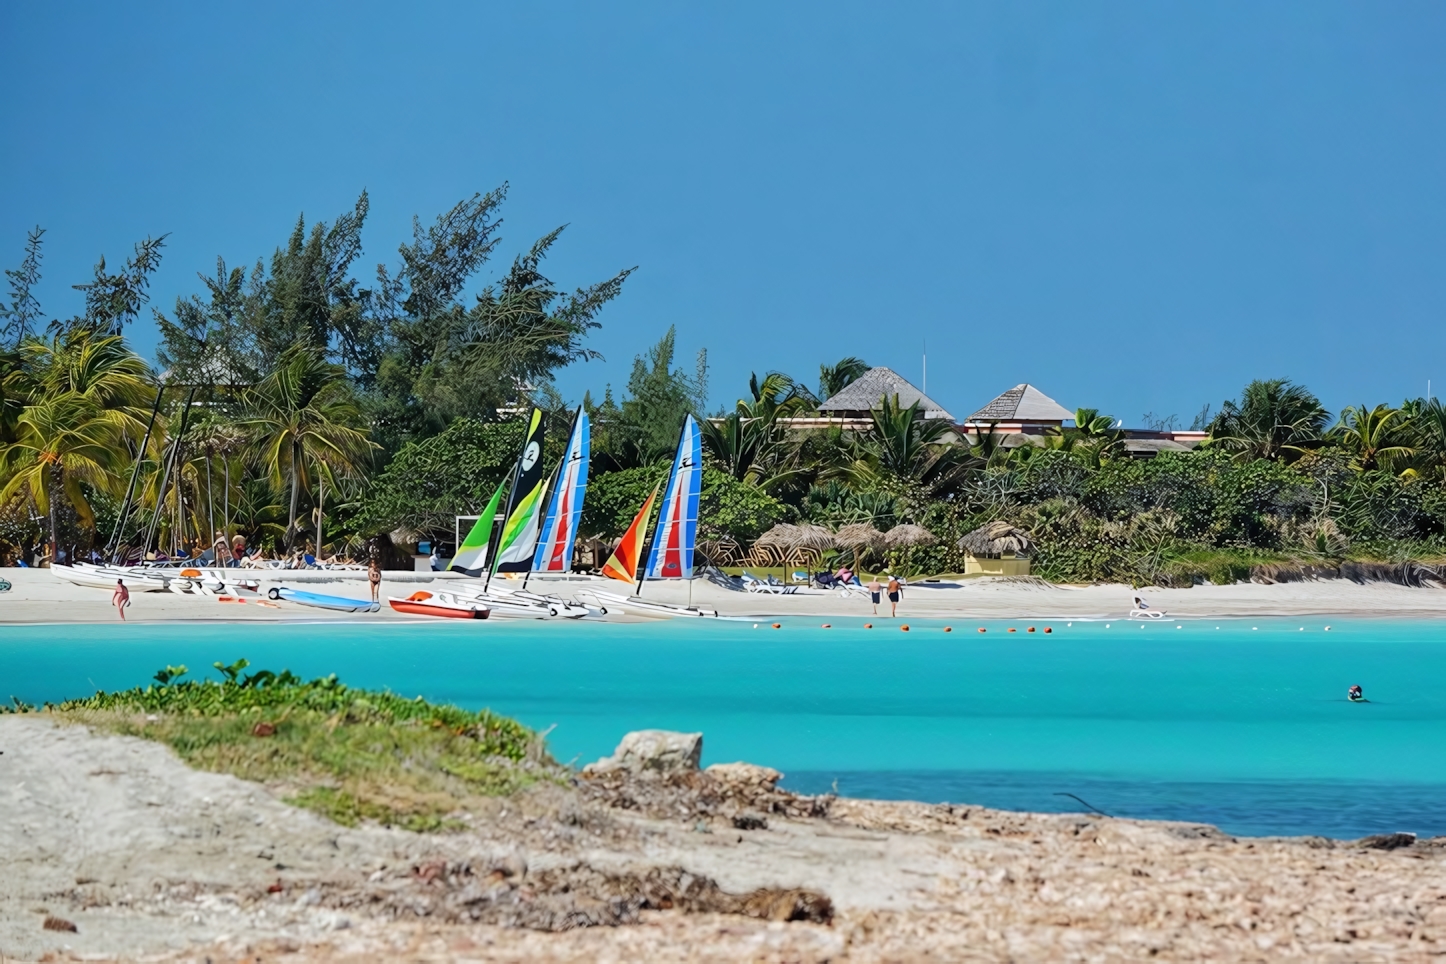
(121, 598)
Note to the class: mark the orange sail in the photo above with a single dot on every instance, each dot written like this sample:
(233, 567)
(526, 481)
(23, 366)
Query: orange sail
(623, 563)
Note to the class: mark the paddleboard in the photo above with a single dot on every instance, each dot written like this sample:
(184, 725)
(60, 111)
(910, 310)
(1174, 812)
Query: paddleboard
(338, 603)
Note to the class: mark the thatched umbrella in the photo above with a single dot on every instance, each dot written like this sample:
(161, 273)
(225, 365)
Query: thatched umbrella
(900, 537)
(782, 536)
(996, 539)
(858, 536)
(814, 537)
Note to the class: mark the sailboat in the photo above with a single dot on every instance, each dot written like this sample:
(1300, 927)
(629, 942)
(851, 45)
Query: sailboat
(670, 555)
(515, 547)
(564, 511)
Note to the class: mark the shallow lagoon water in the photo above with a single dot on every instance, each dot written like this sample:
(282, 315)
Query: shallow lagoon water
(1244, 725)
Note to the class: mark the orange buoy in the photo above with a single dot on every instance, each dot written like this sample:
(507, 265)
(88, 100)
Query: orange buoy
(904, 628)
(1048, 630)
(868, 625)
(983, 630)
(1031, 629)
(828, 625)
(1011, 629)
(948, 629)
(777, 625)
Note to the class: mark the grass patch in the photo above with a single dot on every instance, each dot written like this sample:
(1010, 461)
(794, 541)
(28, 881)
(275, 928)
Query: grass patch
(351, 755)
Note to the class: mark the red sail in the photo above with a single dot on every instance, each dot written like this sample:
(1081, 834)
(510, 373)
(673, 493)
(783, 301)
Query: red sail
(623, 563)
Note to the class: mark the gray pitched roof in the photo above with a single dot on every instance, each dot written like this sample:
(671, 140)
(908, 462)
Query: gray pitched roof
(876, 384)
(1023, 403)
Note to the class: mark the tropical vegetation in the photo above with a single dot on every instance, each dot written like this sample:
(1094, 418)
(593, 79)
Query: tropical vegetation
(298, 406)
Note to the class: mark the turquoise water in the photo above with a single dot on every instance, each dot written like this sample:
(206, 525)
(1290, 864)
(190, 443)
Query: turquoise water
(1244, 727)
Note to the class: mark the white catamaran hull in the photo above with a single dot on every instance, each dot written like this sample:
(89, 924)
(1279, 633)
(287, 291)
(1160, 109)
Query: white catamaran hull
(644, 606)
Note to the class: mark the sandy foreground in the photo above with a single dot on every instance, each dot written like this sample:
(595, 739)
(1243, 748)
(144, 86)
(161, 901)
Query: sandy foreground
(149, 860)
(39, 597)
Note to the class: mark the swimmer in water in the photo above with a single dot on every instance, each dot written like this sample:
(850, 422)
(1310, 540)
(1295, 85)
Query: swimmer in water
(1355, 695)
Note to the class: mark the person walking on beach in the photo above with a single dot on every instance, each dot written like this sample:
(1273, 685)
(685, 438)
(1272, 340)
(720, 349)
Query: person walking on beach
(874, 589)
(121, 598)
(894, 588)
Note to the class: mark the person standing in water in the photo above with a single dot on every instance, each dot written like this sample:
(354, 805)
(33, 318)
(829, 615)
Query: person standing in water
(121, 598)
(1354, 694)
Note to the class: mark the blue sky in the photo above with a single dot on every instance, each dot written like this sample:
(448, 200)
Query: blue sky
(1135, 206)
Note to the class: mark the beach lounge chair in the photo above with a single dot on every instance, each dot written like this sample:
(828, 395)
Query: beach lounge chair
(1143, 610)
(772, 586)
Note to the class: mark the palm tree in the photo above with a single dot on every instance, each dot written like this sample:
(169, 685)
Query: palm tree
(61, 442)
(1376, 438)
(1274, 419)
(749, 442)
(903, 444)
(302, 413)
(98, 368)
(73, 405)
(833, 379)
(1430, 434)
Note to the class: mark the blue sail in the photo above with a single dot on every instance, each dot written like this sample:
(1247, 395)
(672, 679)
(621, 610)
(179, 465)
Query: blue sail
(564, 511)
(671, 556)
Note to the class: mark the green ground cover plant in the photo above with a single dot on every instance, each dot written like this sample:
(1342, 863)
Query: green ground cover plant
(348, 754)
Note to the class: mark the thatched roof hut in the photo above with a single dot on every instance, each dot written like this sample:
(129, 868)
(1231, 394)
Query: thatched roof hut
(909, 534)
(995, 539)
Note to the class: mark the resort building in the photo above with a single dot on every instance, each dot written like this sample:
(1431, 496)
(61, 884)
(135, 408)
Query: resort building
(850, 408)
(1023, 410)
(1024, 414)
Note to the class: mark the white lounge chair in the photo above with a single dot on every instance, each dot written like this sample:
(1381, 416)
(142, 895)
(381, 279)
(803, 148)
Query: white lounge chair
(1142, 610)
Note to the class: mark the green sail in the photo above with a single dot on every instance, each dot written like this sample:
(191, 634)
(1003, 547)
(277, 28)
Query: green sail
(471, 556)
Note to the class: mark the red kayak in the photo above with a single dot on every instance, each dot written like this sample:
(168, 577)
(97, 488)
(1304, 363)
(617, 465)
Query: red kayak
(424, 603)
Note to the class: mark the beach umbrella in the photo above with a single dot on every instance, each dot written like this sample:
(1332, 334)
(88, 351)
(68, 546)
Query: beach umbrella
(814, 537)
(858, 535)
(782, 536)
(900, 537)
(997, 538)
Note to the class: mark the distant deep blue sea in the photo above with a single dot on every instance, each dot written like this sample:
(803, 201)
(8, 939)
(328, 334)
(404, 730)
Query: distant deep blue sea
(1240, 723)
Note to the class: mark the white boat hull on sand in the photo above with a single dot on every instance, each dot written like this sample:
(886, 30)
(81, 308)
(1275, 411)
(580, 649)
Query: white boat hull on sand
(100, 577)
(644, 607)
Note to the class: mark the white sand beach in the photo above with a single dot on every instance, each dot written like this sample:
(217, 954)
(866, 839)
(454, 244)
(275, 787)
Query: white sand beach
(38, 596)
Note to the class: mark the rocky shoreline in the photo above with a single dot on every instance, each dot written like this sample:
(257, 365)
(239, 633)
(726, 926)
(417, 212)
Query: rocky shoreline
(646, 856)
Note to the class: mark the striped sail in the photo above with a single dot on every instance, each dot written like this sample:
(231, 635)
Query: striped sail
(471, 555)
(564, 511)
(672, 554)
(518, 540)
(623, 563)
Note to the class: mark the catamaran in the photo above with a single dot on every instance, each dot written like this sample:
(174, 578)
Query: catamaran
(670, 555)
(529, 540)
